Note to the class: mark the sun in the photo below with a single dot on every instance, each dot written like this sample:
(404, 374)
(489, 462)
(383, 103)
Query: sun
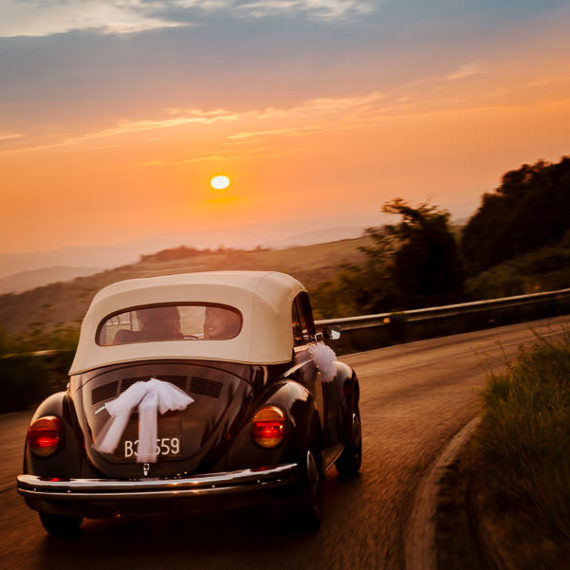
(220, 182)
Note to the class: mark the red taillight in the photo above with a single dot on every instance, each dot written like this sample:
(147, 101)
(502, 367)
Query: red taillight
(45, 435)
(268, 426)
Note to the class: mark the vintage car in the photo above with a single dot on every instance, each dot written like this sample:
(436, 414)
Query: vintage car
(189, 392)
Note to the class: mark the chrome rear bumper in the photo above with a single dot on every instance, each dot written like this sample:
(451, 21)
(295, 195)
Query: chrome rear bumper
(33, 487)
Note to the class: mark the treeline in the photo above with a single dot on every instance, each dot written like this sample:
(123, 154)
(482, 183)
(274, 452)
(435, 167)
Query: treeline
(517, 242)
(184, 252)
(529, 210)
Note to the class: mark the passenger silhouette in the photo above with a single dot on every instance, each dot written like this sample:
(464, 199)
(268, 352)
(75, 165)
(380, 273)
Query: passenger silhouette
(221, 323)
(156, 323)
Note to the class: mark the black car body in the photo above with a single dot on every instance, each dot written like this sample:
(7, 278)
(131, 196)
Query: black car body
(185, 413)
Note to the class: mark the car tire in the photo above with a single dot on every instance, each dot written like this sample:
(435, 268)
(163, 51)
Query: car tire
(348, 464)
(61, 525)
(307, 504)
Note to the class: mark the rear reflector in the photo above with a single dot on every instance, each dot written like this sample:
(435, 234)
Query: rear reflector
(45, 436)
(268, 426)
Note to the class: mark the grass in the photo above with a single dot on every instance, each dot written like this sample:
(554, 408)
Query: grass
(521, 458)
(545, 269)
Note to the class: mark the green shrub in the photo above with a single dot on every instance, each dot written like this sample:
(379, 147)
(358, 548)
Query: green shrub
(25, 380)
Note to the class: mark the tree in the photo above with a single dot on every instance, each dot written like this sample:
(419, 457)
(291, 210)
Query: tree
(413, 263)
(426, 268)
(530, 209)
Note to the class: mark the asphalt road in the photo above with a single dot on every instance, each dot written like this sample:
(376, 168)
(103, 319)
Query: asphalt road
(414, 398)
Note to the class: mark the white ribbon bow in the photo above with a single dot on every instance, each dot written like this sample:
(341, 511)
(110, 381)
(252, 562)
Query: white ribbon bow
(324, 358)
(151, 397)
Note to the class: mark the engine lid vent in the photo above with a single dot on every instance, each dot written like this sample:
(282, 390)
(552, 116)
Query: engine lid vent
(205, 387)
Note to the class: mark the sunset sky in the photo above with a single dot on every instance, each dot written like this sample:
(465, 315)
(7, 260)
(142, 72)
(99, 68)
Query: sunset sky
(116, 114)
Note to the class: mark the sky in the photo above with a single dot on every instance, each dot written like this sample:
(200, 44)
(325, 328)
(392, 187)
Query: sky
(115, 115)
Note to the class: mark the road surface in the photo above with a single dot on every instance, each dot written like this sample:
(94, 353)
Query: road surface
(414, 398)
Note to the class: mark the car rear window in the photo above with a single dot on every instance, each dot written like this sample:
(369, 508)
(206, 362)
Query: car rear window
(189, 321)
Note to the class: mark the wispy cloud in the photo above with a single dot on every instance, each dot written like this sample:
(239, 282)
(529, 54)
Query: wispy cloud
(175, 118)
(191, 116)
(10, 136)
(288, 131)
(257, 126)
(318, 9)
(36, 18)
(322, 108)
(313, 115)
(465, 70)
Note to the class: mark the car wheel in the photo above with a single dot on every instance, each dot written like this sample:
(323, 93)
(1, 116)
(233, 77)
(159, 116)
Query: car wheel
(307, 505)
(348, 464)
(61, 525)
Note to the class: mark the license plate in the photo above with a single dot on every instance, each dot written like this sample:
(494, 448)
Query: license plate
(165, 447)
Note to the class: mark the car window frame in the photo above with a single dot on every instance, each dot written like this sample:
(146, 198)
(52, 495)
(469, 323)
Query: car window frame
(303, 323)
(131, 310)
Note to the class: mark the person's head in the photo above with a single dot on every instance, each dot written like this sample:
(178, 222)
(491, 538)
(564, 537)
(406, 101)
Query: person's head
(160, 323)
(221, 323)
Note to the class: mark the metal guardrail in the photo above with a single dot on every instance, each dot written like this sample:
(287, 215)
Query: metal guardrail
(432, 313)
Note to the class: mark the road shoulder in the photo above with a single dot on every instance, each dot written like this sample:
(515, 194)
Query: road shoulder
(420, 540)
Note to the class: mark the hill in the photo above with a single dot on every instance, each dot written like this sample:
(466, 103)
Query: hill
(31, 279)
(276, 235)
(36, 314)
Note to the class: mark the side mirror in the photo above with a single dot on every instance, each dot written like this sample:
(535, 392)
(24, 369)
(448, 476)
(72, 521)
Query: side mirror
(331, 333)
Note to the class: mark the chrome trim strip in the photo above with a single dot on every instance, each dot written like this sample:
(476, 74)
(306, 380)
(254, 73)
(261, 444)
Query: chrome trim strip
(164, 494)
(209, 484)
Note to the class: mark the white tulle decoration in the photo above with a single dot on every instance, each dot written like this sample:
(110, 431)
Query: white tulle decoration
(151, 398)
(325, 358)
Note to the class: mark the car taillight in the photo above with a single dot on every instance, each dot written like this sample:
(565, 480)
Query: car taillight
(45, 435)
(268, 426)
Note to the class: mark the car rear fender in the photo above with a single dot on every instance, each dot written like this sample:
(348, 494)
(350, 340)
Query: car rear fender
(299, 406)
(342, 394)
(68, 461)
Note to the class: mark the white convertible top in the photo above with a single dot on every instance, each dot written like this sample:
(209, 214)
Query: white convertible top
(263, 298)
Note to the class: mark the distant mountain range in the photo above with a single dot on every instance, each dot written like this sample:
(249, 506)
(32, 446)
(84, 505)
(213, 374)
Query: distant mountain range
(23, 271)
(19, 282)
(46, 309)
